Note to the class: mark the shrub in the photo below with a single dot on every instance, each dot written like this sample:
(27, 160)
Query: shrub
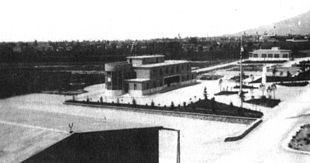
(172, 105)
(152, 103)
(134, 102)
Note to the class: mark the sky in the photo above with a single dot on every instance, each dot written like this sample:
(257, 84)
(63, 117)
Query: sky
(43, 20)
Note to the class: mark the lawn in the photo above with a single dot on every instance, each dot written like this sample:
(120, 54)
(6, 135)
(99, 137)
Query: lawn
(294, 84)
(228, 93)
(208, 106)
(267, 102)
(245, 87)
(301, 141)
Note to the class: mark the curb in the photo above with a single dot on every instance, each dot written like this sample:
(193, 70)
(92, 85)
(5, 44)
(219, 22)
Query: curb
(244, 133)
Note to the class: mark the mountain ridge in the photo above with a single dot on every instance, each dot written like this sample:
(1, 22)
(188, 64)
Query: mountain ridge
(298, 25)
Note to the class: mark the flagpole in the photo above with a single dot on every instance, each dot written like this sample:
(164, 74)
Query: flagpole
(241, 72)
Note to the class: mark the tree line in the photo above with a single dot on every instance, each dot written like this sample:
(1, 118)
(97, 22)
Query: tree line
(193, 48)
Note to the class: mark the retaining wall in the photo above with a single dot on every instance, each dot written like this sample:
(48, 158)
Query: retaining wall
(246, 132)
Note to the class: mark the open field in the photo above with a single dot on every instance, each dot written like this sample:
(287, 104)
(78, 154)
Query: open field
(38, 115)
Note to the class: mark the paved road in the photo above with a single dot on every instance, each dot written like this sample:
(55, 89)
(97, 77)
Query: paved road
(215, 67)
(266, 143)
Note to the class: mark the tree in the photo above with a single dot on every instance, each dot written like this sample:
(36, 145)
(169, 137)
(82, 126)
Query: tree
(262, 87)
(213, 104)
(220, 84)
(269, 91)
(205, 93)
(273, 89)
(152, 103)
(274, 71)
(172, 105)
(134, 102)
(252, 77)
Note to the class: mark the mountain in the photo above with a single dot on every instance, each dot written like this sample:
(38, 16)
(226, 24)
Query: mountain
(296, 25)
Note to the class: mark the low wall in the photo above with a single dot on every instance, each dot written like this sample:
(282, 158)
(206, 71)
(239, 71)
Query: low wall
(246, 132)
(114, 92)
(212, 117)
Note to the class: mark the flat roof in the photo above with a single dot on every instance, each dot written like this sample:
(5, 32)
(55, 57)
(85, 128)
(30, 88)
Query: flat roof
(166, 63)
(145, 56)
(272, 50)
(138, 80)
(117, 63)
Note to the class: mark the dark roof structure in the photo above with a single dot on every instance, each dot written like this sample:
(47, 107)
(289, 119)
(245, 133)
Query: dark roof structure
(113, 146)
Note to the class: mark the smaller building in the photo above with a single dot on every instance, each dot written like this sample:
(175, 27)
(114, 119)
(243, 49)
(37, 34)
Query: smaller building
(273, 54)
(147, 74)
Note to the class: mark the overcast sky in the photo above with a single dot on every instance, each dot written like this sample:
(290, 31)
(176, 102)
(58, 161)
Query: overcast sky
(27, 20)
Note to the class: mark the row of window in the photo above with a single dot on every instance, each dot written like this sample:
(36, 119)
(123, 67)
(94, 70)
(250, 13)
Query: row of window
(153, 84)
(270, 55)
(171, 70)
(159, 83)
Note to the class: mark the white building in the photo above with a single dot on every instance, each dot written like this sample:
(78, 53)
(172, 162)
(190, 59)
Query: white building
(275, 53)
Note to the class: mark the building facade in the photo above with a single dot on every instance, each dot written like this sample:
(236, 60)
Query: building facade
(273, 54)
(149, 74)
(115, 75)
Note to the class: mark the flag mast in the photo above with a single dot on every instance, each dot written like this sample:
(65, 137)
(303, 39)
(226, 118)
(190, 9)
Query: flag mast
(241, 72)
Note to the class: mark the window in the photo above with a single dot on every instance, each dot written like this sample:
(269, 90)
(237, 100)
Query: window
(264, 55)
(134, 86)
(276, 56)
(255, 55)
(161, 71)
(167, 70)
(178, 68)
(270, 56)
(285, 55)
(172, 70)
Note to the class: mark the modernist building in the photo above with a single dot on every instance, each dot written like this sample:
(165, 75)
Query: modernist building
(147, 74)
(115, 75)
(272, 54)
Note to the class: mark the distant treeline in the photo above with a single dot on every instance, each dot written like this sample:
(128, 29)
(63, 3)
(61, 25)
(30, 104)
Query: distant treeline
(193, 48)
